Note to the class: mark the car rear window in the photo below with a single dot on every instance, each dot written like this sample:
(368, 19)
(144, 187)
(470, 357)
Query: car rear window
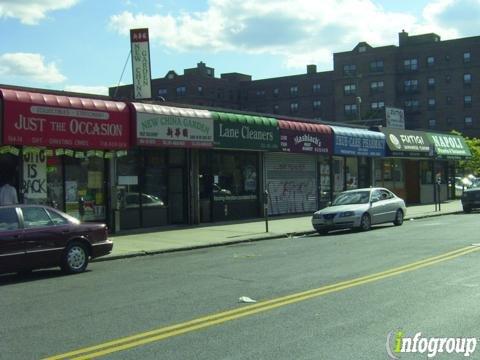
(8, 219)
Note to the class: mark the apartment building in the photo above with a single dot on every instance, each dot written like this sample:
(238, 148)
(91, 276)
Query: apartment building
(436, 82)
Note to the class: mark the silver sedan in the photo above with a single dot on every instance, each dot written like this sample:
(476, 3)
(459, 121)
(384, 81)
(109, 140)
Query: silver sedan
(360, 208)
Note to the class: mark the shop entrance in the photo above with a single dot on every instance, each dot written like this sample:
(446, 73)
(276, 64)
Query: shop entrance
(412, 182)
(176, 195)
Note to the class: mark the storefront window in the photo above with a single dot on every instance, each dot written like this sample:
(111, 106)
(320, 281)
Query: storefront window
(352, 173)
(55, 196)
(338, 175)
(128, 191)
(154, 197)
(84, 187)
(234, 174)
(426, 171)
(325, 186)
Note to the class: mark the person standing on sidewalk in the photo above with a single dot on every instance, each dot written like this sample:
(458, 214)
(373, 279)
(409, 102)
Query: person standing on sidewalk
(8, 194)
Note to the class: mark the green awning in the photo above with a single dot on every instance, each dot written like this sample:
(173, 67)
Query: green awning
(240, 131)
(449, 146)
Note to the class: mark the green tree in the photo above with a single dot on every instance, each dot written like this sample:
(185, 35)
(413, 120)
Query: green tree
(472, 165)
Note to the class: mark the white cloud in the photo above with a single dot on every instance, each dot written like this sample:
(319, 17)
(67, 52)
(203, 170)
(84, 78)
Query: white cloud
(99, 90)
(29, 67)
(301, 31)
(30, 12)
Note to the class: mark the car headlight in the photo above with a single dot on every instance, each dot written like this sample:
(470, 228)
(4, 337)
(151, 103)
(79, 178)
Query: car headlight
(346, 214)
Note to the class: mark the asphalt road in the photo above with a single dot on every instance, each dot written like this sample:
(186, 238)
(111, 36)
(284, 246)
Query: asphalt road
(297, 315)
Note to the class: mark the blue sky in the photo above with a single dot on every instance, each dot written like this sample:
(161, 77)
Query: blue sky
(82, 45)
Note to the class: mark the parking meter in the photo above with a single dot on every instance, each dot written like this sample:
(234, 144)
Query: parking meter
(265, 208)
(81, 207)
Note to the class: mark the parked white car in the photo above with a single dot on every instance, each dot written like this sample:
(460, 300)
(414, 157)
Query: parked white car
(360, 208)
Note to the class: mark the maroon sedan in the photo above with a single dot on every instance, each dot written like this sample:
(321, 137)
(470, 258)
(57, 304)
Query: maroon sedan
(37, 236)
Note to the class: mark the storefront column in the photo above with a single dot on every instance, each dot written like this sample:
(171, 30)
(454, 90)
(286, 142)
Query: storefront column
(194, 191)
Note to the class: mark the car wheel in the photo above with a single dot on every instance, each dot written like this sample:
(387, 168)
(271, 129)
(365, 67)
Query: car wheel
(467, 209)
(323, 231)
(75, 258)
(398, 218)
(365, 222)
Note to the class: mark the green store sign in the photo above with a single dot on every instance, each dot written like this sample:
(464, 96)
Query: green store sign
(449, 146)
(237, 131)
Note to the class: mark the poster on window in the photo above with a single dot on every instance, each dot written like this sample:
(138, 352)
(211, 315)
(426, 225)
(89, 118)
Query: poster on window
(34, 185)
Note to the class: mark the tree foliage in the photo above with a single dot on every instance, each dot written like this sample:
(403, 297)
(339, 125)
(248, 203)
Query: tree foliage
(472, 165)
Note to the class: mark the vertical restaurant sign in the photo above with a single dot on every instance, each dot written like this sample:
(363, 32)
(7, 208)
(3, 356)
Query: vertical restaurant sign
(32, 119)
(141, 73)
(156, 129)
(34, 185)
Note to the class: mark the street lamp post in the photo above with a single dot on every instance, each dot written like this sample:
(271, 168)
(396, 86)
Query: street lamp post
(359, 115)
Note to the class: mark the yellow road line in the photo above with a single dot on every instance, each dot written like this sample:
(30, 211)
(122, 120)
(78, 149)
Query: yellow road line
(214, 319)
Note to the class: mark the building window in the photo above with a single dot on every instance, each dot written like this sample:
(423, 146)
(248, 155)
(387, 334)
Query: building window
(431, 104)
(350, 109)
(467, 79)
(294, 107)
(412, 105)
(410, 85)
(377, 105)
(376, 66)
(430, 61)
(200, 89)
(448, 78)
(350, 69)
(431, 83)
(468, 121)
(449, 100)
(362, 49)
(162, 92)
(181, 90)
(260, 93)
(467, 101)
(466, 57)
(376, 87)
(410, 64)
(316, 88)
(293, 90)
(432, 123)
(349, 89)
(276, 92)
(449, 122)
(317, 104)
(276, 108)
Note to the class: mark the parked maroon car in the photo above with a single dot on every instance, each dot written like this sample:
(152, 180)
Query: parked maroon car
(36, 236)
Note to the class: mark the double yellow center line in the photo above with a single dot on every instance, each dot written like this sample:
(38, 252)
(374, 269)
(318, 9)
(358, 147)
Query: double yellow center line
(222, 317)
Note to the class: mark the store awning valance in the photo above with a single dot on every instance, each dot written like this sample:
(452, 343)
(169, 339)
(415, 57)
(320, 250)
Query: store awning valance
(449, 146)
(302, 137)
(158, 125)
(357, 142)
(54, 121)
(407, 143)
(239, 131)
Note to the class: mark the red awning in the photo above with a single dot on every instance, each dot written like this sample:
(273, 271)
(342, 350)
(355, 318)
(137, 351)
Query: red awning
(35, 119)
(304, 126)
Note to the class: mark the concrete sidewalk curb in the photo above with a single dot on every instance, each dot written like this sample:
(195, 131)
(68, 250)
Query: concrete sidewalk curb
(239, 241)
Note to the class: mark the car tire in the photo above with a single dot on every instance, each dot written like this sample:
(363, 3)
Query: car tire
(398, 218)
(323, 231)
(467, 209)
(365, 222)
(75, 258)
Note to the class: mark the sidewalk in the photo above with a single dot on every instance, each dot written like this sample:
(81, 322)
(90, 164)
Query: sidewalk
(198, 236)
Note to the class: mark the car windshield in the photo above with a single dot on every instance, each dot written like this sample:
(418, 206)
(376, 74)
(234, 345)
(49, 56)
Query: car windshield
(352, 197)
